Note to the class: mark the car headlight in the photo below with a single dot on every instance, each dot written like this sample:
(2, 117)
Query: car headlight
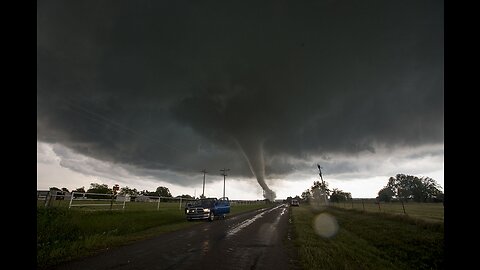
(206, 210)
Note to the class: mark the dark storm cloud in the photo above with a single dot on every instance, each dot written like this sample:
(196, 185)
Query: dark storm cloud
(180, 85)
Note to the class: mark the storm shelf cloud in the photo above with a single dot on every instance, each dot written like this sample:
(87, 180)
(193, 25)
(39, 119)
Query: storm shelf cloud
(258, 88)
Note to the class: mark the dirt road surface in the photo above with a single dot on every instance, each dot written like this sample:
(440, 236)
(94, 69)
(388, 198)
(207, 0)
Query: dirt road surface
(254, 240)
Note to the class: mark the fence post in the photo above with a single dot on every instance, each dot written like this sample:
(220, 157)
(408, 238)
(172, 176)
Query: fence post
(71, 199)
(111, 203)
(48, 198)
(158, 205)
(403, 207)
(124, 201)
(180, 206)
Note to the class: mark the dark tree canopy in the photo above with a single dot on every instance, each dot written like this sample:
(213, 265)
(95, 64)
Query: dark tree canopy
(80, 189)
(408, 187)
(385, 194)
(306, 195)
(338, 195)
(99, 188)
(163, 192)
(128, 191)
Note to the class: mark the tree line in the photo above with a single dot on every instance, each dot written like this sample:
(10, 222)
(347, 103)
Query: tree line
(161, 191)
(400, 187)
(318, 190)
(411, 188)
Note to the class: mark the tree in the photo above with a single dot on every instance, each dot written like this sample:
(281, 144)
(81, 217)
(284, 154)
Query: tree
(338, 195)
(385, 194)
(318, 191)
(128, 191)
(115, 188)
(432, 190)
(439, 197)
(163, 192)
(306, 195)
(320, 185)
(289, 199)
(81, 189)
(99, 188)
(408, 187)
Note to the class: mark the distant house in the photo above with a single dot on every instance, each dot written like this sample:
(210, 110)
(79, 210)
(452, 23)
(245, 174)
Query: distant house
(60, 194)
(123, 198)
(143, 198)
(67, 195)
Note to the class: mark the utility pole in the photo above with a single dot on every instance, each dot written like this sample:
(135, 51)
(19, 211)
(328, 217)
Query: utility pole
(323, 183)
(224, 174)
(203, 191)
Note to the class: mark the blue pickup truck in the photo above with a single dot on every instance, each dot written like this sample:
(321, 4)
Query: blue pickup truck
(208, 208)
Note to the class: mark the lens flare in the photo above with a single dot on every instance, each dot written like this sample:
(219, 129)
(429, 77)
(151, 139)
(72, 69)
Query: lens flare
(325, 225)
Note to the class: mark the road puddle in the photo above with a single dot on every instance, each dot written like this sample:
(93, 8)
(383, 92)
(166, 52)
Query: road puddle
(247, 222)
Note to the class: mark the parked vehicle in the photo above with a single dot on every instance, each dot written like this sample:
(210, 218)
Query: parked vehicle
(294, 203)
(208, 208)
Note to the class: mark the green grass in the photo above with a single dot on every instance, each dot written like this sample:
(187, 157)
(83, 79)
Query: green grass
(64, 234)
(367, 240)
(426, 211)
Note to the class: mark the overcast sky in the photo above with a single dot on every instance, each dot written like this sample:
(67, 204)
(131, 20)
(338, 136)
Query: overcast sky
(149, 93)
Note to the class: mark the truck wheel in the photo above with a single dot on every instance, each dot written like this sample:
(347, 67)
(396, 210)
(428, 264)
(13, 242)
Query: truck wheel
(211, 217)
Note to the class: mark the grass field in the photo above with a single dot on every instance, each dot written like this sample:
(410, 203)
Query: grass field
(64, 234)
(382, 238)
(425, 211)
(352, 239)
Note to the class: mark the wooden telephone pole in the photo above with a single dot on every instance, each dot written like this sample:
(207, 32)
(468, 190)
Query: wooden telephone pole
(224, 174)
(323, 184)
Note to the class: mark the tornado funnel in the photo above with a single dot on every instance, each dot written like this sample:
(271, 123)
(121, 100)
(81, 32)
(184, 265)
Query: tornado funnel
(253, 153)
